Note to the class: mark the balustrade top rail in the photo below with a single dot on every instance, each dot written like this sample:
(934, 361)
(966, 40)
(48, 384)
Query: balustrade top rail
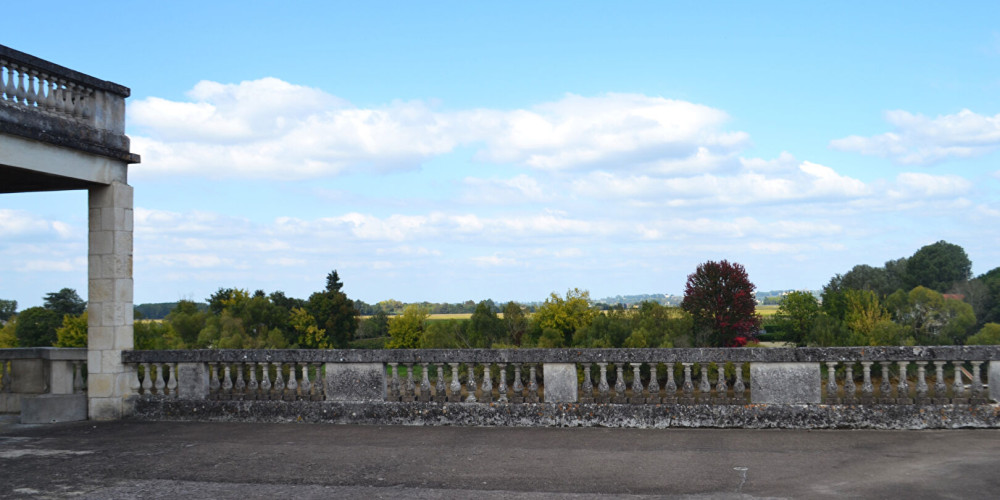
(50, 353)
(646, 355)
(32, 63)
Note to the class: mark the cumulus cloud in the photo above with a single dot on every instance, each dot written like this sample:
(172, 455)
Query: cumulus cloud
(273, 129)
(920, 140)
(19, 223)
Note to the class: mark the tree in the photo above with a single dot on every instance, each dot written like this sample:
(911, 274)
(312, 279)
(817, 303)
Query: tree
(375, 326)
(334, 312)
(796, 315)
(73, 332)
(406, 331)
(65, 301)
(989, 334)
(8, 333)
(565, 315)
(36, 327)
(863, 311)
(485, 328)
(938, 266)
(187, 320)
(8, 308)
(720, 297)
(935, 320)
(515, 322)
(310, 336)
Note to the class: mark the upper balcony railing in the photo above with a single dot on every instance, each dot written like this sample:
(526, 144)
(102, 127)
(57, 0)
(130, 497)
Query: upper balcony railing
(45, 101)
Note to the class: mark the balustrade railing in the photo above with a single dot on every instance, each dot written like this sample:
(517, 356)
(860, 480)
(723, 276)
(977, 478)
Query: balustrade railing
(834, 376)
(34, 371)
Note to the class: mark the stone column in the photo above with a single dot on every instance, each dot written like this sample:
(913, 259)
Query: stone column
(110, 300)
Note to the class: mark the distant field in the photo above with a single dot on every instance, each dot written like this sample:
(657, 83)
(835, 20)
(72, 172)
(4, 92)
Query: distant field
(766, 311)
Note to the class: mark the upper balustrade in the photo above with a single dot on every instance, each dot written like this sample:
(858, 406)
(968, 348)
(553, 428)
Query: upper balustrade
(43, 101)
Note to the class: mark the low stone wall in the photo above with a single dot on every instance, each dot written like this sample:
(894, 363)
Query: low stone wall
(577, 414)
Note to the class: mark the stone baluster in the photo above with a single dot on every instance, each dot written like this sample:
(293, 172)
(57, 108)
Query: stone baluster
(976, 390)
(867, 390)
(486, 391)
(885, 388)
(19, 93)
(410, 389)
(638, 391)
(619, 396)
(587, 387)
(227, 383)
(602, 384)
(940, 388)
(50, 96)
(687, 388)
(705, 387)
(470, 384)
(278, 389)
(7, 84)
(318, 391)
(831, 383)
(240, 388)
(292, 386)
(31, 91)
(213, 381)
(532, 384)
(721, 389)
(518, 389)
(393, 389)
(739, 388)
(78, 377)
(265, 380)
(922, 398)
(850, 388)
(440, 388)
(134, 385)
(903, 388)
(172, 381)
(958, 396)
(425, 383)
(502, 388)
(252, 385)
(456, 387)
(158, 383)
(653, 389)
(305, 385)
(147, 379)
(670, 386)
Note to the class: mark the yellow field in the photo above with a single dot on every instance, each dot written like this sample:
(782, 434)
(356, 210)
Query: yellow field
(766, 311)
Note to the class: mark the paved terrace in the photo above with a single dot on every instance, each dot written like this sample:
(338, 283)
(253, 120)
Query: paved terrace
(151, 460)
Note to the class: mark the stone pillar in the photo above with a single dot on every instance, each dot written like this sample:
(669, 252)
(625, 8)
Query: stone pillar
(110, 300)
(785, 383)
(994, 381)
(560, 382)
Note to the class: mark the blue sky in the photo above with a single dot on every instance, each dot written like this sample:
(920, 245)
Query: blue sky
(454, 151)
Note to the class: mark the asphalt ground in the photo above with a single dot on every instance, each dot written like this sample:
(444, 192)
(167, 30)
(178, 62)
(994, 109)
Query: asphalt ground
(153, 460)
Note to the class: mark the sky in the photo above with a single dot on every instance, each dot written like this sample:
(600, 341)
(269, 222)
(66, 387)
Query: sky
(448, 151)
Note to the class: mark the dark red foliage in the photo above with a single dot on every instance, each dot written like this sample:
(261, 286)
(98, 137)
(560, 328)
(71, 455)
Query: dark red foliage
(721, 298)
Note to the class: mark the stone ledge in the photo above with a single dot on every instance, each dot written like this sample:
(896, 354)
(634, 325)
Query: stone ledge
(53, 408)
(577, 415)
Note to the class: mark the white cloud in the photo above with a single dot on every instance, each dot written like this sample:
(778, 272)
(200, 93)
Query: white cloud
(920, 140)
(920, 185)
(521, 188)
(16, 223)
(272, 129)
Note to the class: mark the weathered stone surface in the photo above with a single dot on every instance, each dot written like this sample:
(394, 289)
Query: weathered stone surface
(355, 382)
(52, 408)
(693, 355)
(994, 381)
(192, 381)
(579, 415)
(785, 383)
(560, 382)
(28, 376)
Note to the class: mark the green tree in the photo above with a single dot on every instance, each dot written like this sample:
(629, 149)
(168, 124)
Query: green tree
(65, 301)
(989, 334)
(155, 335)
(375, 326)
(565, 315)
(36, 327)
(720, 297)
(73, 332)
(485, 328)
(827, 331)
(406, 331)
(444, 334)
(938, 266)
(8, 333)
(796, 314)
(8, 308)
(934, 319)
(187, 320)
(310, 335)
(863, 311)
(515, 322)
(334, 312)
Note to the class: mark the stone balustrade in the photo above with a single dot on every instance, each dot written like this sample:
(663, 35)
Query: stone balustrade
(586, 386)
(44, 384)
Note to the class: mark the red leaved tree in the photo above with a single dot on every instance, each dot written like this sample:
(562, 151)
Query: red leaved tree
(721, 299)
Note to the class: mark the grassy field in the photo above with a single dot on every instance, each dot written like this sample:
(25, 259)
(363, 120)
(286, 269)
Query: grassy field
(767, 311)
